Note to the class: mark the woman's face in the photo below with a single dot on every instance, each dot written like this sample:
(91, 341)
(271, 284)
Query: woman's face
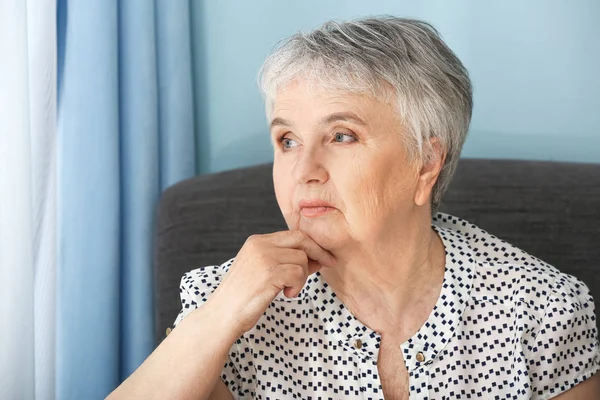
(347, 150)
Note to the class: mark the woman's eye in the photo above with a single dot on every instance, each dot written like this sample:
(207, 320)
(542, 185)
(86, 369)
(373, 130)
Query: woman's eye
(288, 143)
(344, 137)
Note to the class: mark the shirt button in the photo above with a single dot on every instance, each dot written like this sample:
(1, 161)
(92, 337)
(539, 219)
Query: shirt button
(358, 344)
(420, 357)
(168, 331)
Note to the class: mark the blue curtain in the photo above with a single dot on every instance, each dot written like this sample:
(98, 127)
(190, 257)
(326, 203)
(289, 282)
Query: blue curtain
(125, 132)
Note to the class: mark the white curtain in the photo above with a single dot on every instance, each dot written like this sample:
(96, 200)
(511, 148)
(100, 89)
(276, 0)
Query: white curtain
(27, 198)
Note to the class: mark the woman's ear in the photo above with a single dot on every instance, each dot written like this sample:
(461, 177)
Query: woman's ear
(430, 171)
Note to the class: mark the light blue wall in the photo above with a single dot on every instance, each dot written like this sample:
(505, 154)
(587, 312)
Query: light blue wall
(535, 66)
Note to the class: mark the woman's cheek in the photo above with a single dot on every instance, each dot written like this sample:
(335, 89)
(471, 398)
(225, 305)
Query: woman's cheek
(372, 183)
(359, 191)
(283, 191)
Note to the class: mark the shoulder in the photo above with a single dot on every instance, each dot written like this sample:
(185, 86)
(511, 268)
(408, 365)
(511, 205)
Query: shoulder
(198, 284)
(553, 312)
(489, 249)
(522, 285)
(563, 350)
(504, 273)
(203, 281)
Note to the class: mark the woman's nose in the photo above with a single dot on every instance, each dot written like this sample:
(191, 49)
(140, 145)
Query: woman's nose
(309, 167)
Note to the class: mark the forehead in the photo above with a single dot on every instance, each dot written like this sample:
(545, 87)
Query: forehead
(304, 100)
(307, 94)
(300, 90)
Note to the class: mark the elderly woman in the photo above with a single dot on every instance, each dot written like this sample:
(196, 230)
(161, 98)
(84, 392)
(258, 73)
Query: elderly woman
(371, 293)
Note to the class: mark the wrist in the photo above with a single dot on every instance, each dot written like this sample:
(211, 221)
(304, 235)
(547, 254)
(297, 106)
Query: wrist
(219, 318)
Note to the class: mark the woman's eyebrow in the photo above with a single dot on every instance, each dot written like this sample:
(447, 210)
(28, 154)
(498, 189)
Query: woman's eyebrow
(279, 122)
(330, 119)
(342, 116)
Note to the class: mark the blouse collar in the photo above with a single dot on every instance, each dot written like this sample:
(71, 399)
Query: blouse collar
(343, 329)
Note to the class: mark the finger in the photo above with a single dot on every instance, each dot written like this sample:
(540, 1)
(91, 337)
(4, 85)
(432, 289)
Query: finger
(300, 240)
(313, 266)
(316, 252)
(286, 255)
(291, 279)
(290, 292)
(296, 256)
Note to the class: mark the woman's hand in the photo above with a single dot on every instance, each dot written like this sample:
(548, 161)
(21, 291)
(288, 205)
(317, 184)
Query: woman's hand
(264, 266)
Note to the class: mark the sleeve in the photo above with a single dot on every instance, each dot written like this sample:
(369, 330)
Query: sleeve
(565, 350)
(195, 288)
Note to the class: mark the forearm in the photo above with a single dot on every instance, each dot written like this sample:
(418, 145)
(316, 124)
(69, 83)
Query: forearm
(187, 363)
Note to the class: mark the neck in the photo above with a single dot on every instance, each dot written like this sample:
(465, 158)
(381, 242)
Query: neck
(391, 284)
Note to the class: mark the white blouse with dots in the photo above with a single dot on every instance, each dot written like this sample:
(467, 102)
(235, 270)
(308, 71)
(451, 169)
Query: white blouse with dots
(506, 325)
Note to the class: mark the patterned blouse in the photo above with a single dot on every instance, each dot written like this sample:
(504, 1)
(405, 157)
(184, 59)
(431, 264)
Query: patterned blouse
(506, 325)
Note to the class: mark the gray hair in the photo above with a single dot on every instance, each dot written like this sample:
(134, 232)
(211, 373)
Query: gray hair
(429, 83)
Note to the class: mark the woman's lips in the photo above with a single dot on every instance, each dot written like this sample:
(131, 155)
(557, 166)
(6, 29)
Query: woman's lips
(312, 212)
(311, 208)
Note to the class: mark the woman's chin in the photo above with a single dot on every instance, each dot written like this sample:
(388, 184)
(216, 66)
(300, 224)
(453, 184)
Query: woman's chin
(324, 231)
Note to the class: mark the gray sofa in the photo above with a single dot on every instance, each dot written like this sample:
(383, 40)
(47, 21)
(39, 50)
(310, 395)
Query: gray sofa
(549, 209)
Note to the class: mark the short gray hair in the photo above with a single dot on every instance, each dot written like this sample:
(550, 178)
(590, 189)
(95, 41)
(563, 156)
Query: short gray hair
(430, 85)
